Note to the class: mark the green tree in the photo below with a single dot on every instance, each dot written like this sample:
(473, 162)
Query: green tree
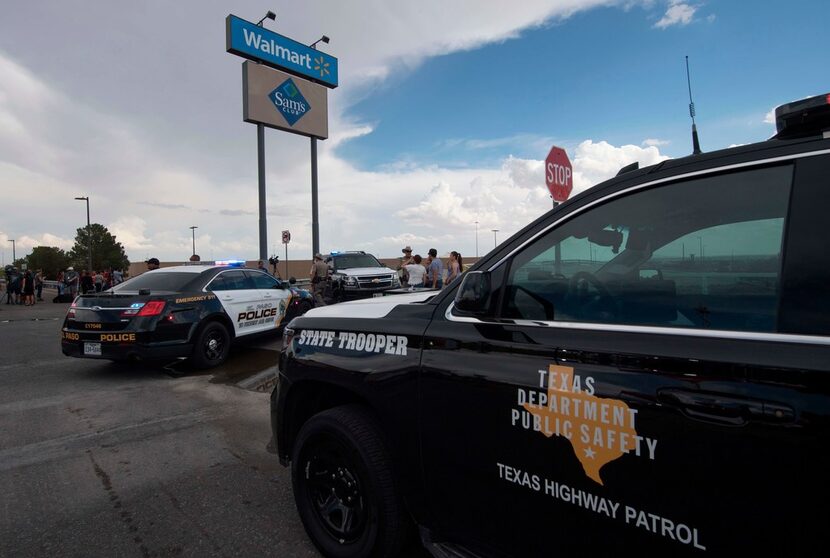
(106, 251)
(48, 258)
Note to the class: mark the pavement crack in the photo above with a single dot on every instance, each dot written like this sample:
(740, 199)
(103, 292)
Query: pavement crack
(204, 532)
(124, 515)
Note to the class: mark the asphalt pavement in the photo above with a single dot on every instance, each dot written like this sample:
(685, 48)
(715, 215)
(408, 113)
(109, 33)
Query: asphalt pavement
(104, 459)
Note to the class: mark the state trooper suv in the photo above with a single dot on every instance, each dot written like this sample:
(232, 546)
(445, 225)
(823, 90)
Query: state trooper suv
(358, 275)
(645, 368)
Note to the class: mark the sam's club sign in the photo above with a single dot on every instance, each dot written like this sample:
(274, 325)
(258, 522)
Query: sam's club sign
(257, 43)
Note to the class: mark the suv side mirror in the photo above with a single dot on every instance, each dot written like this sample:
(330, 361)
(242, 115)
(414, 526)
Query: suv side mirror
(473, 296)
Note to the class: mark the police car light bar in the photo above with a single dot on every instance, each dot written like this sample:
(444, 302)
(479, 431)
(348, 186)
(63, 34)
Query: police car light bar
(807, 117)
(231, 263)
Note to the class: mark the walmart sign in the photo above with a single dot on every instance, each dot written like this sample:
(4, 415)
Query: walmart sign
(248, 40)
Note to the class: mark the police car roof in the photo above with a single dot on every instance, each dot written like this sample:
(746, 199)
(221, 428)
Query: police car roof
(189, 268)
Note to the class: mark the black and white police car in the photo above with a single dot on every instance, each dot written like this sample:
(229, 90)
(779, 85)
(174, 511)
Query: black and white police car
(183, 311)
(644, 369)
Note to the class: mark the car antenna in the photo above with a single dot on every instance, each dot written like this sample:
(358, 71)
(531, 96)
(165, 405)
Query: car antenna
(695, 141)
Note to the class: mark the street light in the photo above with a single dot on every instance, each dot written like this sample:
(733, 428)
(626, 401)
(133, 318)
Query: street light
(270, 15)
(88, 231)
(321, 39)
(193, 232)
(315, 220)
(14, 256)
(476, 239)
(495, 242)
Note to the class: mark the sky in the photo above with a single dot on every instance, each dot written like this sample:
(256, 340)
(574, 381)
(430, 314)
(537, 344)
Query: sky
(443, 117)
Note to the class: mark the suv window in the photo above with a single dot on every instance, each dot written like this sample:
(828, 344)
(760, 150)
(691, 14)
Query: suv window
(703, 253)
(162, 281)
(348, 261)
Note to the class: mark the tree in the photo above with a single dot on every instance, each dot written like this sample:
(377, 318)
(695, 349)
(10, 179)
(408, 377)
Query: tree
(48, 258)
(106, 251)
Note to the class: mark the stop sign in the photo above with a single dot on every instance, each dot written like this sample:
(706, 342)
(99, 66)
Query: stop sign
(558, 174)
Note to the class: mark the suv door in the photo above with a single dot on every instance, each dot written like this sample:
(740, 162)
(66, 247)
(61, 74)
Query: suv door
(631, 380)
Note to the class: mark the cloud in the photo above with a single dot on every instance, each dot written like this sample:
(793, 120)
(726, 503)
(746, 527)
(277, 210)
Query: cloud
(655, 142)
(678, 13)
(769, 118)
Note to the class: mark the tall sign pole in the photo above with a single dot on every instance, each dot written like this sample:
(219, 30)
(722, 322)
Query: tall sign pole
(292, 97)
(559, 180)
(263, 219)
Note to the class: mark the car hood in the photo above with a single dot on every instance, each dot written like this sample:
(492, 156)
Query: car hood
(369, 307)
(366, 271)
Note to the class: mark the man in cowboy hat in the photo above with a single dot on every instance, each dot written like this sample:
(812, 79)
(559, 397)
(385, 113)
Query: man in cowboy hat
(405, 261)
(319, 274)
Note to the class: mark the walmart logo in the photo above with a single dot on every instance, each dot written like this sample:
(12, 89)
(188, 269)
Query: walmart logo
(289, 101)
(321, 66)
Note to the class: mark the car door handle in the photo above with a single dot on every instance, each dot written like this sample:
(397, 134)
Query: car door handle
(226, 297)
(725, 409)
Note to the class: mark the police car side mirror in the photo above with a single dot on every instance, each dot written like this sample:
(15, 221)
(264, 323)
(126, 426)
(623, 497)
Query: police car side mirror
(473, 296)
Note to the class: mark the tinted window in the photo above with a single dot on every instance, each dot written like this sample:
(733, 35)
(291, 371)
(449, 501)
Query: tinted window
(347, 261)
(262, 280)
(157, 281)
(703, 253)
(231, 281)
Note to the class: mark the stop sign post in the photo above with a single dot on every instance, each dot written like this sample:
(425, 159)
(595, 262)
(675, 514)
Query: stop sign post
(558, 174)
(286, 238)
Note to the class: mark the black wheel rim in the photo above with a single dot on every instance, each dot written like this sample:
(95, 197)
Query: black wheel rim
(214, 347)
(334, 489)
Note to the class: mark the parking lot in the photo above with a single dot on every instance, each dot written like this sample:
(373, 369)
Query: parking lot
(103, 459)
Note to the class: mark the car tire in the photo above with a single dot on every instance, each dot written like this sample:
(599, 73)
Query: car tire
(212, 346)
(344, 486)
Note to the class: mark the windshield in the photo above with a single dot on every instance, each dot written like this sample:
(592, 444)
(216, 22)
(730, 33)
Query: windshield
(347, 261)
(164, 281)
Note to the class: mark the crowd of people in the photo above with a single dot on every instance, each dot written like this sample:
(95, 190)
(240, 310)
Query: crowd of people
(418, 272)
(25, 287)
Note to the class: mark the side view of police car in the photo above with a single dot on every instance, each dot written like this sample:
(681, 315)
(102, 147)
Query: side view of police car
(645, 368)
(184, 311)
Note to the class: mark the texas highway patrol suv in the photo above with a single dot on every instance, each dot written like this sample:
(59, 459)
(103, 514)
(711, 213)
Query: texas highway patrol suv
(644, 369)
(183, 311)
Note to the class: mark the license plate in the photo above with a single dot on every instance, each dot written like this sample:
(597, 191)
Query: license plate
(93, 349)
(377, 295)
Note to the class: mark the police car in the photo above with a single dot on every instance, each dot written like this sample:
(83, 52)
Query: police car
(183, 311)
(645, 368)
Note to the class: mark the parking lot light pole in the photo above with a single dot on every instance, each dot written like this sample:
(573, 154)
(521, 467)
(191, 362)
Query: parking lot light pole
(14, 255)
(476, 239)
(315, 220)
(495, 242)
(193, 234)
(88, 231)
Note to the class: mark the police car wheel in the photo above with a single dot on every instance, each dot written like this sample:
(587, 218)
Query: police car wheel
(212, 346)
(344, 486)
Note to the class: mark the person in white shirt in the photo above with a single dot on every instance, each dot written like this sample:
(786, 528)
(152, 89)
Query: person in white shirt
(416, 272)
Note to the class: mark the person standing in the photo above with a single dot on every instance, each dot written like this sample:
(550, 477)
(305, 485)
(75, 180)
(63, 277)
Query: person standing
(455, 267)
(72, 281)
(153, 263)
(98, 280)
(405, 261)
(262, 267)
(416, 272)
(28, 288)
(435, 271)
(87, 284)
(39, 285)
(117, 277)
(319, 273)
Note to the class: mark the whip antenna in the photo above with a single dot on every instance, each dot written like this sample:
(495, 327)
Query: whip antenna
(695, 141)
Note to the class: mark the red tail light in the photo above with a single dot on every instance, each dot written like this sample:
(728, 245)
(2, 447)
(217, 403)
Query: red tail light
(152, 308)
(71, 312)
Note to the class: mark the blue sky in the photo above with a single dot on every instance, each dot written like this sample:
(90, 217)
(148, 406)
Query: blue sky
(606, 73)
(445, 112)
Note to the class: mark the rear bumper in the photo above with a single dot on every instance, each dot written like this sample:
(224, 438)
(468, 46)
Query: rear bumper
(127, 350)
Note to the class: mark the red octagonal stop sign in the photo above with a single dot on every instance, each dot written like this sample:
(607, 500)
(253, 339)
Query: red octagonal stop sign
(558, 174)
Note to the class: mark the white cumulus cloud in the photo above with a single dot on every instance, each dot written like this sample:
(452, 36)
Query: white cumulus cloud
(678, 13)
